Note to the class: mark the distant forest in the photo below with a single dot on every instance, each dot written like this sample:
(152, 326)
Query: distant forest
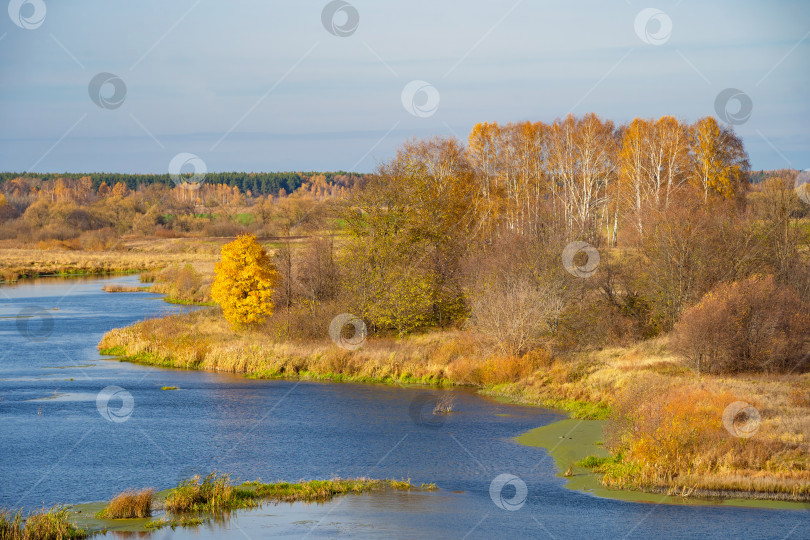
(262, 183)
(757, 177)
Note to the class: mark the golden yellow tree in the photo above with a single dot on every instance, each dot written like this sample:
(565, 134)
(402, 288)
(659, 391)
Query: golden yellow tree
(720, 162)
(244, 282)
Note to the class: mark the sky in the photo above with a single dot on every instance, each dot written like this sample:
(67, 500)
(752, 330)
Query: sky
(267, 85)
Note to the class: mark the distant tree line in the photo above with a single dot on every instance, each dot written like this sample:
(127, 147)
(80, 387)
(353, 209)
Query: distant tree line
(261, 183)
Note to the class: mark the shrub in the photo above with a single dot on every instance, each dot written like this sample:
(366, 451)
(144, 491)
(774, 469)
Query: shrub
(99, 239)
(46, 524)
(223, 227)
(181, 285)
(503, 369)
(129, 504)
(663, 430)
(750, 325)
(196, 494)
(593, 323)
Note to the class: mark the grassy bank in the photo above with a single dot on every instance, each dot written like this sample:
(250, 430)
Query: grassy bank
(665, 420)
(578, 451)
(202, 340)
(42, 524)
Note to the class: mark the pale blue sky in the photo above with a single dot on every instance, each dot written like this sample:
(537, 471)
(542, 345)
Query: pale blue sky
(291, 96)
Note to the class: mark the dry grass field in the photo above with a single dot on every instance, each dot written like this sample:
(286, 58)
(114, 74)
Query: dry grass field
(129, 255)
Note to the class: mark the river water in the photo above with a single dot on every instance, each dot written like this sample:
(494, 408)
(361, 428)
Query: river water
(79, 427)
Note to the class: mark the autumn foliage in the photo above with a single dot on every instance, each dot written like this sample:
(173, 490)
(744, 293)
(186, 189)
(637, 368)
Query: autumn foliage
(244, 282)
(750, 325)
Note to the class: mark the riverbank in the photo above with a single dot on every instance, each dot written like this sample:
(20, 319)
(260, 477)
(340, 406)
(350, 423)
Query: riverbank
(688, 451)
(573, 443)
(201, 340)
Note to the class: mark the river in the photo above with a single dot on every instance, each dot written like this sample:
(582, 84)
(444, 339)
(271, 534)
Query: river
(78, 427)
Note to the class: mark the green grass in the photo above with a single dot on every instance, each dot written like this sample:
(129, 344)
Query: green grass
(323, 490)
(182, 521)
(215, 492)
(577, 409)
(44, 524)
(593, 462)
(142, 358)
(343, 377)
(245, 219)
(114, 351)
(581, 410)
(178, 301)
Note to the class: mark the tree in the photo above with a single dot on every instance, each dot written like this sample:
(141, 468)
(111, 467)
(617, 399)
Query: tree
(104, 190)
(778, 203)
(411, 223)
(652, 161)
(244, 282)
(720, 164)
(120, 190)
(582, 157)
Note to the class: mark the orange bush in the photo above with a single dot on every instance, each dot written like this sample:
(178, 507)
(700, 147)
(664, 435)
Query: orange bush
(668, 431)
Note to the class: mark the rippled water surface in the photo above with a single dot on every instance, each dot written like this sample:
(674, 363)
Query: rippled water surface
(79, 427)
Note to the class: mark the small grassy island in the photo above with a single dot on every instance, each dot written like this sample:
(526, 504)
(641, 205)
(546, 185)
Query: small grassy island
(193, 502)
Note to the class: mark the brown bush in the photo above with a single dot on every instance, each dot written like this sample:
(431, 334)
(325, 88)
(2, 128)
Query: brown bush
(687, 250)
(223, 227)
(593, 323)
(160, 232)
(751, 325)
(130, 504)
(515, 306)
(98, 240)
(181, 284)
